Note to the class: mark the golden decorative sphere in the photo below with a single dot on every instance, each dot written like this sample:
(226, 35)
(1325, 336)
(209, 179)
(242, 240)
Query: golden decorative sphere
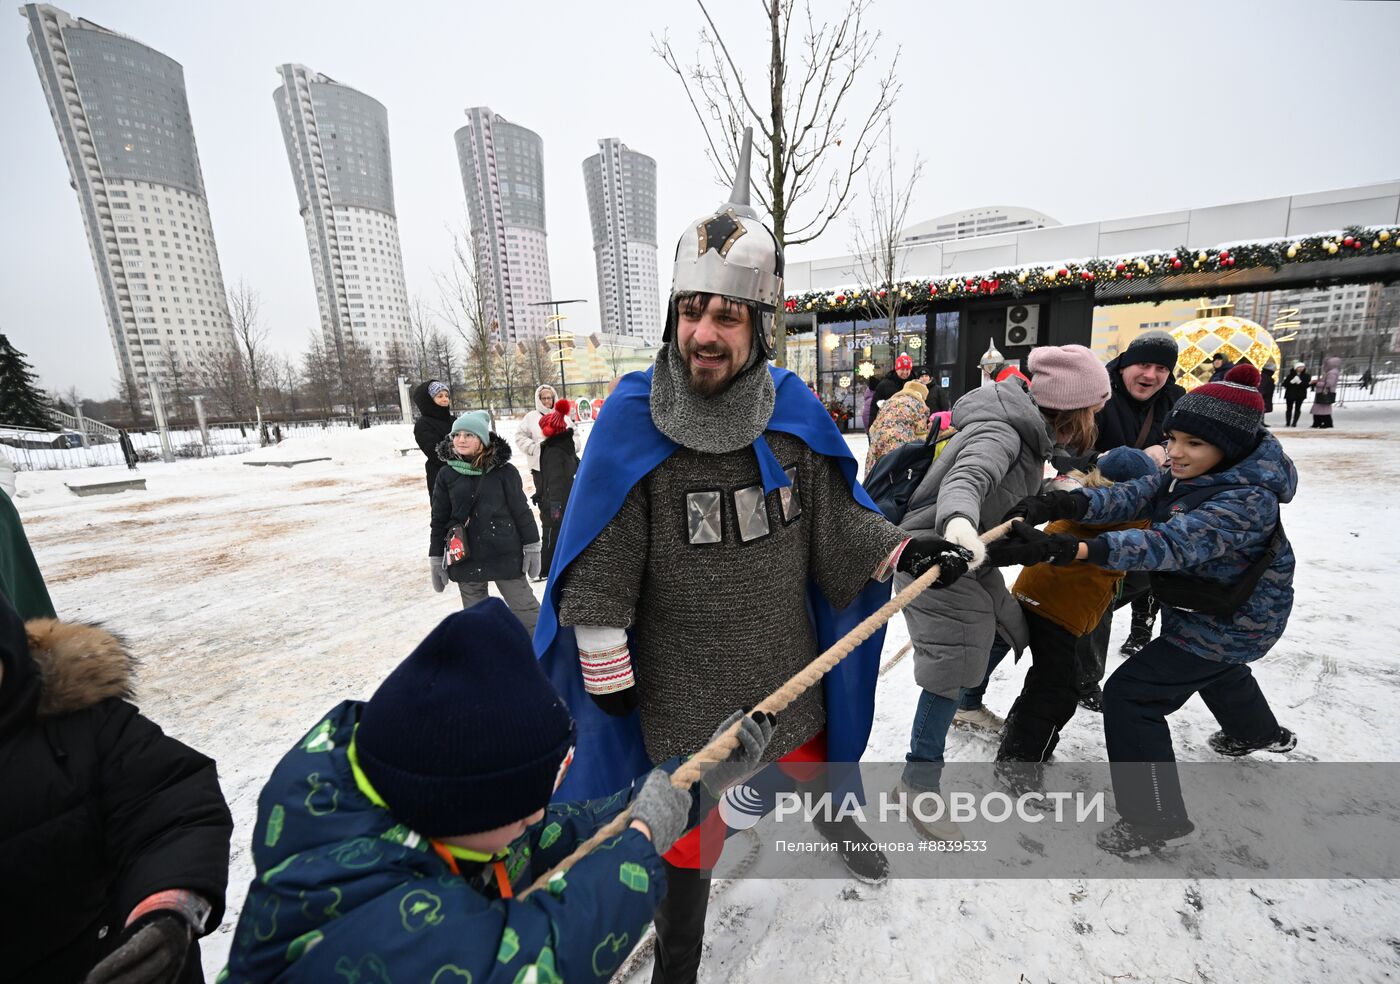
(1384, 236)
(1238, 339)
(1293, 251)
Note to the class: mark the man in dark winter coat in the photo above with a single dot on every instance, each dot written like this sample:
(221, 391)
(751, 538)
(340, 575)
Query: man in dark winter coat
(128, 449)
(891, 384)
(1219, 366)
(1142, 395)
(434, 401)
(114, 837)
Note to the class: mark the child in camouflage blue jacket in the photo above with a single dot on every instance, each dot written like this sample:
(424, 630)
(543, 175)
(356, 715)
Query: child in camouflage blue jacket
(1215, 527)
(391, 841)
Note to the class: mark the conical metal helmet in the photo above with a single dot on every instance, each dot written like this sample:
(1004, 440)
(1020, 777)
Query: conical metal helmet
(731, 252)
(991, 358)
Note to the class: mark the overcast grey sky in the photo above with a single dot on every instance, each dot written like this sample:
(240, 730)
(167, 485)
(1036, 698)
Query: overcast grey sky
(1082, 110)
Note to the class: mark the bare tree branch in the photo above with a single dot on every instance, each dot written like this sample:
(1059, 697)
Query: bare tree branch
(811, 156)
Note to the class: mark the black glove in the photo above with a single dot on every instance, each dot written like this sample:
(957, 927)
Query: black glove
(1025, 545)
(152, 950)
(1038, 510)
(926, 549)
(619, 703)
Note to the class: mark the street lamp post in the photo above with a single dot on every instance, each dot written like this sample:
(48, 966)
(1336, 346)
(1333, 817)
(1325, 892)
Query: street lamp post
(557, 337)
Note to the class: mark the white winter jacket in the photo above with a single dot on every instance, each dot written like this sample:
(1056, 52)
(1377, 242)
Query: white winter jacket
(528, 435)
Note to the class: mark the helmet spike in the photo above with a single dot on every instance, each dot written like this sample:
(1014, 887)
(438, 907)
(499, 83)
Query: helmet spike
(739, 196)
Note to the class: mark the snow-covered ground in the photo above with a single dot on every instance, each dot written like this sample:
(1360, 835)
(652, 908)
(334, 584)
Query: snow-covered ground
(259, 597)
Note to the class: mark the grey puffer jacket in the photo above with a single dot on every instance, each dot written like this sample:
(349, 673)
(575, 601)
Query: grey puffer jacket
(996, 458)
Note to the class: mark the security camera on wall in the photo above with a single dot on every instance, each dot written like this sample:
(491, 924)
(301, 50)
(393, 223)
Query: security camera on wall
(1023, 324)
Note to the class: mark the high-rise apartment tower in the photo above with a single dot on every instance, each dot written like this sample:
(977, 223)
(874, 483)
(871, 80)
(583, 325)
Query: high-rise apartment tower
(338, 146)
(124, 124)
(621, 186)
(503, 178)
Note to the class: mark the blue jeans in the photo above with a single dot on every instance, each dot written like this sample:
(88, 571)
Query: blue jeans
(972, 699)
(926, 742)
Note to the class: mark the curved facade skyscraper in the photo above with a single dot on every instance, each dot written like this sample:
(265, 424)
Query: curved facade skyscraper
(338, 146)
(621, 186)
(124, 124)
(503, 178)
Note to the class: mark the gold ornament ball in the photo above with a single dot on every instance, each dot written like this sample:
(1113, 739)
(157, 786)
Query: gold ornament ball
(1200, 257)
(1384, 236)
(1331, 248)
(1292, 252)
(1375, 244)
(1021, 279)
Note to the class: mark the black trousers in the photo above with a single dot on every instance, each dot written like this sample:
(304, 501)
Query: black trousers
(1293, 410)
(680, 925)
(1048, 697)
(1093, 648)
(1136, 702)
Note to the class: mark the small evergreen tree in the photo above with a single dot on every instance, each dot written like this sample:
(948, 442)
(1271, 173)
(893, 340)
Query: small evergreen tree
(21, 402)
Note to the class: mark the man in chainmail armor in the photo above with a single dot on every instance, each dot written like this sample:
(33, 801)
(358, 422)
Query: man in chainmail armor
(714, 493)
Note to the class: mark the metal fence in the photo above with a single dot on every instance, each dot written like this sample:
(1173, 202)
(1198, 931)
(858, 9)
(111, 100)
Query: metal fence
(35, 450)
(1365, 380)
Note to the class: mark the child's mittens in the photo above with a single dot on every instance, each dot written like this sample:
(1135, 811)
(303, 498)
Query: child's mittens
(438, 573)
(663, 808)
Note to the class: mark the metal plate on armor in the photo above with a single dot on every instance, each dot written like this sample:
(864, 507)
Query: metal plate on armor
(703, 517)
(751, 506)
(791, 501)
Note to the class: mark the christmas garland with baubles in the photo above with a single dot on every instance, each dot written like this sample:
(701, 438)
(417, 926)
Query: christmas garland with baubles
(1151, 267)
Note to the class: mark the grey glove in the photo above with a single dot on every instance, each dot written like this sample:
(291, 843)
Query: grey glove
(755, 730)
(663, 808)
(152, 951)
(531, 567)
(439, 574)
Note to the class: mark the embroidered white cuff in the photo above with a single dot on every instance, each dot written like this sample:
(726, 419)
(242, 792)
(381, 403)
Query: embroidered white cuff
(604, 658)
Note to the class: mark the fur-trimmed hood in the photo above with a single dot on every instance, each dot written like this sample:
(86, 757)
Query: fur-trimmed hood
(61, 667)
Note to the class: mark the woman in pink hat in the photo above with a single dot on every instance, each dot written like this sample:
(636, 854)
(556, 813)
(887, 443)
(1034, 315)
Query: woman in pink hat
(1005, 435)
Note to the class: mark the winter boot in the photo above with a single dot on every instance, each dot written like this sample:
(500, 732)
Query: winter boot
(1135, 840)
(858, 852)
(1092, 700)
(979, 719)
(941, 829)
(1144, 615)
(1020, 778)
(1223, 744)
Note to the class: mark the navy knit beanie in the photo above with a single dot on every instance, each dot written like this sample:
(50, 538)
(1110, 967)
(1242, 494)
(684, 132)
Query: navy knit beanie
(467, 734)
(1125, 464)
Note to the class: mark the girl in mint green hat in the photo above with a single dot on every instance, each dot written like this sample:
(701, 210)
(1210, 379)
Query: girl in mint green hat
(479, 493)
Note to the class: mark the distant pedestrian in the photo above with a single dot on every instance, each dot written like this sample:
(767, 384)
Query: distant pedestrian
(1267, 385)
(1325, 393)
(1295, 390)
(128, 449)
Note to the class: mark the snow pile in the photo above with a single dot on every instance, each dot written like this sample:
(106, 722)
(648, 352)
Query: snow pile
(257, 598)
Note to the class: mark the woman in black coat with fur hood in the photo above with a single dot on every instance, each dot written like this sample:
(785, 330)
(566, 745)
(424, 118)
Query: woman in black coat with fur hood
(434, 402)
(114, 837)
(480, 488)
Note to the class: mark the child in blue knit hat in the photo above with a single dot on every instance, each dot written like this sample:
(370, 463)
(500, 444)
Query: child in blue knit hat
(392, 840)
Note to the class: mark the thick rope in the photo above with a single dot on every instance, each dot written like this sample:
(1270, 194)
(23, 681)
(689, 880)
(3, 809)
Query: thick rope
(721, 747)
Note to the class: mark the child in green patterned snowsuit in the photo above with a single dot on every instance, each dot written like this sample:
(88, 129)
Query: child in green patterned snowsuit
(391, 841)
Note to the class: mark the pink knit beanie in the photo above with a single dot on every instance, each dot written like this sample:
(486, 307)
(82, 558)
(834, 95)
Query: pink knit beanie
(1067, 377)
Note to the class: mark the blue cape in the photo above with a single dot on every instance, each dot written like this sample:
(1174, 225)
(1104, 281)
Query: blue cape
(623, 447)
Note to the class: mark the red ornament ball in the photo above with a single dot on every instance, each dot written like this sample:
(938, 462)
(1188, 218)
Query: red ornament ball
(1062, 272)
(1348, 241)
(1176, 263)
(1120, 267)
(840, 298)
